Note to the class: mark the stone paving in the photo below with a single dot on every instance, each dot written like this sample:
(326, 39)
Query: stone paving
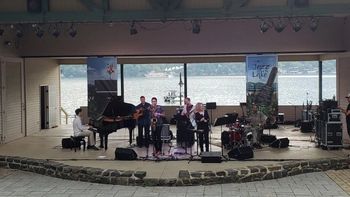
(341, 177)
(20, 183)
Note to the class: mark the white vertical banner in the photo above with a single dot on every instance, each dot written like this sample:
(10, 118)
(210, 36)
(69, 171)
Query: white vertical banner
(261, 73)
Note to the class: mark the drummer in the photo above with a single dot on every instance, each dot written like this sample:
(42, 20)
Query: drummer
(257, 122)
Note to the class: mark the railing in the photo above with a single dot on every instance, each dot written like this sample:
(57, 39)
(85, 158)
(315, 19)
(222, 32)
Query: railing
(65, 114)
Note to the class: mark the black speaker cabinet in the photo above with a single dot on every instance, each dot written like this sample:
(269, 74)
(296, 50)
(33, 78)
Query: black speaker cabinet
(280, 143)
(268, 139)
(125, 154)
(306, 126)
(211, 157)
(34, 6)
(210, 105)
(241, 153)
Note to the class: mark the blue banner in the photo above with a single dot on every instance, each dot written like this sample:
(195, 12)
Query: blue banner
(102, 84)
(262, 83)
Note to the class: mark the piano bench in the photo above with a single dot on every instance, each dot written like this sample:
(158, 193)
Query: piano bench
(77, 142)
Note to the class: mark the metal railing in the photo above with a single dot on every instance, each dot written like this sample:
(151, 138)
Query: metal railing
(65, 114)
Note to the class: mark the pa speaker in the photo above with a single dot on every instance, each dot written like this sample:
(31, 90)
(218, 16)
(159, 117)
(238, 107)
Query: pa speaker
(280, 143)
(210, 105)
(211, 157)
(241, 153)
(34, 6)
(125, 154)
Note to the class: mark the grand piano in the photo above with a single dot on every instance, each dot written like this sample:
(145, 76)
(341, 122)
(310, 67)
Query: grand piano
(116, 115)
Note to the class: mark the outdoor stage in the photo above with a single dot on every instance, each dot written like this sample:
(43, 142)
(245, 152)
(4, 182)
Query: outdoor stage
(47, 145)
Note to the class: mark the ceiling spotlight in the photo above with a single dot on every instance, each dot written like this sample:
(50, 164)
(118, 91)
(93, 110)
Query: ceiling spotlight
(72, 31)
(38, 30)
(264, 26)
(133, 29)
(55, 32)
(280, 25)
(296, 24)
(19, 33)
(313, 24)
(196, 26)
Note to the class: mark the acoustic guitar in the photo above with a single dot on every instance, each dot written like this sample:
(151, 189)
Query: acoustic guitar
(138, 113)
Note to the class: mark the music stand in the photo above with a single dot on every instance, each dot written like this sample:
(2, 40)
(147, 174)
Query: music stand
(210, 106)
(219, 122)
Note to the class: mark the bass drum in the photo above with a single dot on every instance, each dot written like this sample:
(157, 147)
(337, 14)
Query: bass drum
(235, 136)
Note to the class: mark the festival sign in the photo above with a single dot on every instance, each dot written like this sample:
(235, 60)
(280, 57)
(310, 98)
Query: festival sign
(262, 83)
(102, 84)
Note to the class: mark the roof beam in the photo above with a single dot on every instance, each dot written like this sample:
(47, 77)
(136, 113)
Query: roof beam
(234, 4)
(177, 14)
(90, 5)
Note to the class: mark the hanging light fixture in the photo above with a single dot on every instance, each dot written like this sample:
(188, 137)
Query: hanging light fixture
(296, 24)
(196, 26)
(279, 25)
(313, 24)
(133, 29)
(72, 31)
(264, 26)
(38, 30)
(55, 32)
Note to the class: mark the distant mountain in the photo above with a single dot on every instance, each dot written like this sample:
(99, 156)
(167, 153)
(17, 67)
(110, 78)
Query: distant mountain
(207, 69)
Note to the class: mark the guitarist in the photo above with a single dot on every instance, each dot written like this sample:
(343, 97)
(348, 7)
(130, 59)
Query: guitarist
(143, 122)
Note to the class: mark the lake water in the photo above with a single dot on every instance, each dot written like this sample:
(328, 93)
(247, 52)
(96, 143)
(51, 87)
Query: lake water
(224, 90)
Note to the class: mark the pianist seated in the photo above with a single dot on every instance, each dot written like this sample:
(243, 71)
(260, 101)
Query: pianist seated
(80, 130)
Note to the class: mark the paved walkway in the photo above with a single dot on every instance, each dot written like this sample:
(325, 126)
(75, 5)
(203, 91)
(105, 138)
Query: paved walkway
(19, 183)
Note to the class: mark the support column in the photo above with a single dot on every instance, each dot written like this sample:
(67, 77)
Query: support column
(122, 81)
(319, 81)
(185, 80)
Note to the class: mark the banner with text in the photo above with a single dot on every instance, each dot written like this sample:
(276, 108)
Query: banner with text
(262, 84)
(102, 84)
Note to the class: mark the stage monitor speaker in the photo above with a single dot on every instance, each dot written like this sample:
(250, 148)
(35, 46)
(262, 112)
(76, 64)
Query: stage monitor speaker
(34, 6)
(211, 105)
(268, 139)
(211, 157)
(125, 154)
(280, 143)
(241, 153)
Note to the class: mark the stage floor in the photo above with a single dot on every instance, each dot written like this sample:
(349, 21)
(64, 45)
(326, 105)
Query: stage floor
(47, 145)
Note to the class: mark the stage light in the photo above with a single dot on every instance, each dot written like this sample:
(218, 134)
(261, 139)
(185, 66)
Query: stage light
(196, 26)
(55, 31)
(39, 32)
(279, 25)
(19, 33)
(133, 29)
(72, 31)
(296, 24)
(264, 26)
(313, 24)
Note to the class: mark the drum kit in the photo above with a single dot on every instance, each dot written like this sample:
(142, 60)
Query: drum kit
(238, 134)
